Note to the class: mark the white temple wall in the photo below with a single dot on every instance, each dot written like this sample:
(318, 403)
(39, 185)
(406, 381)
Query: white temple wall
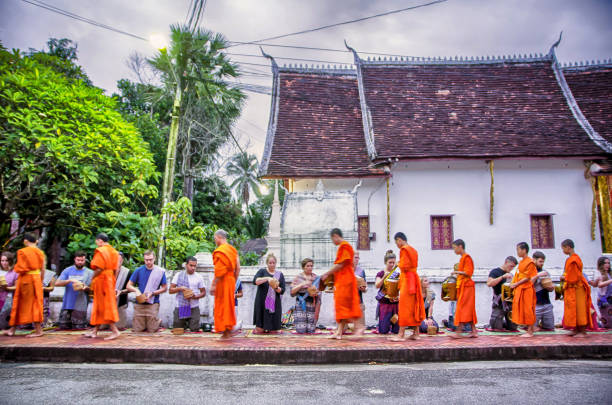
(461, 189)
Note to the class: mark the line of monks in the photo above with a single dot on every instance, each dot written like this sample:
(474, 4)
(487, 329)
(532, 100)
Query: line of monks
(30, 265)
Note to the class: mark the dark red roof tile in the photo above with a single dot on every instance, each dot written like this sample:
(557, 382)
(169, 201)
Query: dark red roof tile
(592, 89)
(471, 110)
(318, 130)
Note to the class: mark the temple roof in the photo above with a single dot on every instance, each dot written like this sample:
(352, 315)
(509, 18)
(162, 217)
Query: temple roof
(339, 123)
(316, 130)
(591, 86)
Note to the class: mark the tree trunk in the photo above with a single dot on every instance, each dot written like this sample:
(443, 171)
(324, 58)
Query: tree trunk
(187, 169)
(170, 166)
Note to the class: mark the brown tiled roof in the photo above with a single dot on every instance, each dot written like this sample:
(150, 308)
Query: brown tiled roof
(469, 110)
(316, 130)
(592, 89)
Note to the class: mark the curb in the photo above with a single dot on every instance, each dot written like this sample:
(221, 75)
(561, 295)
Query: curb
(271, 355)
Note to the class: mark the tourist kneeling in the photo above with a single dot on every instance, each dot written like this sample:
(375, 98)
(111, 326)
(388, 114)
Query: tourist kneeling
(184, 285)
(151, 280)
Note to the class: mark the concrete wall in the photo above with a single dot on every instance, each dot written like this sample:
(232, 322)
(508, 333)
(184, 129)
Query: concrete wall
(245, 304)
(461, 189)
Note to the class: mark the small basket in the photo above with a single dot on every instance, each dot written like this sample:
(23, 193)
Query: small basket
(3, 281)
(78, 286)
(178, 331)
(546, 282)
(274, 283)
(140, 297)
(394, 319)
(187, 294)
(313, 291)
(432, 330)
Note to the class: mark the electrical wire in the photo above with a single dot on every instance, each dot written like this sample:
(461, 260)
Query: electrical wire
(347, 22)
(69, 14)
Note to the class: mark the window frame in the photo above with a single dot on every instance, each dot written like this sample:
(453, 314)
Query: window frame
(431, 231)
(551, 226)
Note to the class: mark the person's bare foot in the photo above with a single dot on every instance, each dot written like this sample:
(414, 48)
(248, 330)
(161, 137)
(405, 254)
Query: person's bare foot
(572, 333)
(335, 336)
(473, 335)
(581, 335)
(397, 339)
(113, 336)
(527, 335)
(34, 335)
(359, 332)
(456, 336)
(414, 336)
(9, 333)
(538, 329)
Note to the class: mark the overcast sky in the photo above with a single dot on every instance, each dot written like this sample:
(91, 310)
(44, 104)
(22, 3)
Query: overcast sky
(456, 27)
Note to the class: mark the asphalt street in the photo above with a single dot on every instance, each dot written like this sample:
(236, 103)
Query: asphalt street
(504, 382)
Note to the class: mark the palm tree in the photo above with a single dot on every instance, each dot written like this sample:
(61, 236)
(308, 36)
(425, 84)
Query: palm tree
(243, 167)
(192, 67)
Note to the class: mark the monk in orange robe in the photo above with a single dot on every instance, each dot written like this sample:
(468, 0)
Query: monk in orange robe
(411, 307)
(227, 270)
(105, 264)
(466, 291)
(346, 295)
(28, 296)
(524, 302)
(576, 293)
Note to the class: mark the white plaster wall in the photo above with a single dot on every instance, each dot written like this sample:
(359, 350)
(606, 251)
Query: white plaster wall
(461, 189)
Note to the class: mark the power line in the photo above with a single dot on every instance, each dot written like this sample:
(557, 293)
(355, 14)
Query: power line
(69, 14)
(347, 22)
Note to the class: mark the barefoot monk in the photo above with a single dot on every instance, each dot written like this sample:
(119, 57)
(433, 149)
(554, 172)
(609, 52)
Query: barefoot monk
(105, 264)
(227, 270)
(576, 293)
(346, 294)
(411, 306)
(28, 296)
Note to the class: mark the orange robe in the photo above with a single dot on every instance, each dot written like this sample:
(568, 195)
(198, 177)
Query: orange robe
(104, 310)
(576, 295)
(411, 307)
(225, 259)
(28, 297)
(466, 292)
(346, 295)
(524, 302)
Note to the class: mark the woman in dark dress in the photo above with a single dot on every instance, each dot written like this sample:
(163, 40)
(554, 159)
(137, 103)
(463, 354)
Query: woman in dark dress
(268, 310)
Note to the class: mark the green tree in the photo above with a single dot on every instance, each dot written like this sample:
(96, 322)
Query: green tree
(193, 65)
(66, 154)
(213, 205)
(243, 168)
(61, 56)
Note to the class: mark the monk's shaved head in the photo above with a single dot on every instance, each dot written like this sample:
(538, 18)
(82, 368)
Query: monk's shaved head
(568, 243)
(30, 237)
(221, 234)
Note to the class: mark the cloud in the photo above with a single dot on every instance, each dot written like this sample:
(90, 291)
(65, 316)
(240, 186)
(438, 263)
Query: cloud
(456, 27)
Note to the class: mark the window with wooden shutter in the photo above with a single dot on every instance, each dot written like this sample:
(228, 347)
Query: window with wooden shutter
(363, 229)
(542, 232)
(441, 232)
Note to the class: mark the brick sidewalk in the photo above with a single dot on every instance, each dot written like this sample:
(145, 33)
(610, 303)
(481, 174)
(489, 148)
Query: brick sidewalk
(206, 348)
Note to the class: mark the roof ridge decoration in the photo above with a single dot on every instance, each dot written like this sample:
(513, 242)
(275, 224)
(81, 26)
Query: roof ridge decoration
(336, 69)
(578, 65)
(366, 116)
(573, 105)
(274, 104)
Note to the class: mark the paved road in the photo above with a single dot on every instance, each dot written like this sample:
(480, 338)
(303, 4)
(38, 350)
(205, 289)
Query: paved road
(506, 382)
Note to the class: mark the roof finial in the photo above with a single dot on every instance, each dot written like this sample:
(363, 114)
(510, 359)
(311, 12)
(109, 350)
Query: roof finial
(551, 52)
(355, 56)
(274, 65)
